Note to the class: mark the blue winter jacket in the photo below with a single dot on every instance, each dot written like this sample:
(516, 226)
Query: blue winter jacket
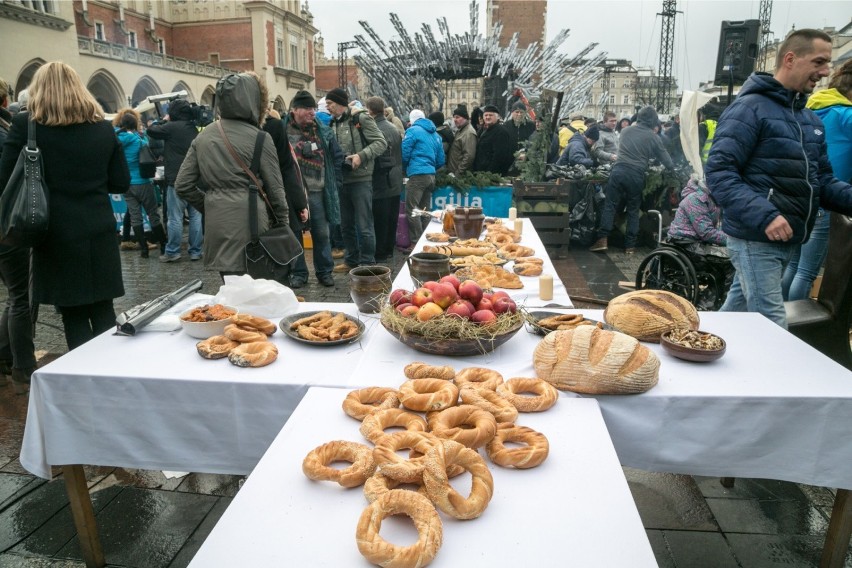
(835, 112)
(131, 142)
(769, 158)
(577, 152)
(422, 151)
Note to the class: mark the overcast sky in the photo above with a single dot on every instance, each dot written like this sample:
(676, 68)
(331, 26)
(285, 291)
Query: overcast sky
(625, 29)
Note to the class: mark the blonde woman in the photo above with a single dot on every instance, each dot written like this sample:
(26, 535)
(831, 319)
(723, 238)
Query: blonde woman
(77, 268)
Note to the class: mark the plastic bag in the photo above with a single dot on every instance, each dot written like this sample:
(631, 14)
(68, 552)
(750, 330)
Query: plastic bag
(264, 298)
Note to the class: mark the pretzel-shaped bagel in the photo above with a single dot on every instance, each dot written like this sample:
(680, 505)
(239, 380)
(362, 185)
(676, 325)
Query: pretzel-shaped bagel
(359, 403)
(316, 464)
(514, 251)
(533, 454)
(216, 347)
(392, 465)
(480, 377)
(466, 424)
(421, 370)
(545, 394)
(422, 395)
(378, 484)
(236, 332)
(260, 324)
(374, 425)
(490, 401)
(527, 269)
(442, 493)
(500, 238)
(255, 354)
(426, 520)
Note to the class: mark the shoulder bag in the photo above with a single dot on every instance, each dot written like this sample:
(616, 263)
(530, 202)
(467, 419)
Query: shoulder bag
(147, 162)
(24, 205)
(269, 255)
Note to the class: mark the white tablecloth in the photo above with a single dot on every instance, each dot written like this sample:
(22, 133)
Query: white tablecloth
(772, 407)
(529, 294)
(151, 402)
(575, 509)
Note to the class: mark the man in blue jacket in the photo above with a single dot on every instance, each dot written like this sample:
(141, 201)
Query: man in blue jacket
(769, 171)
(422, 155)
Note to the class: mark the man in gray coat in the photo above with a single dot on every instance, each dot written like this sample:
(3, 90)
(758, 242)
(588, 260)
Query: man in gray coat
(362, 142)
(605, 150)
(387, 182)
(463, 149)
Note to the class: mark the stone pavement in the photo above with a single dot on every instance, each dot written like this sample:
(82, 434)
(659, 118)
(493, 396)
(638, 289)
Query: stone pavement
(147, 520)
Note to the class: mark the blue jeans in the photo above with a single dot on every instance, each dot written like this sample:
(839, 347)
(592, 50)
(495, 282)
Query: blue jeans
(176, 206)
(625, 183)
(356, 222)
(804, 267)
(757, 281)
(320, 234)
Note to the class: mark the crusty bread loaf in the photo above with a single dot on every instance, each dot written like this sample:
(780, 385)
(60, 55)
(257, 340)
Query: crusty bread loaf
(595, 361)
(647, 314)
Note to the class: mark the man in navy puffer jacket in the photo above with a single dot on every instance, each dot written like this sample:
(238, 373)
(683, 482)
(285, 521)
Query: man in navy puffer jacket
(422, 155)
(769, 171)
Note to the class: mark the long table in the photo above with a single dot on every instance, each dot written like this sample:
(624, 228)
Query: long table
(567, 511)
(529, 294)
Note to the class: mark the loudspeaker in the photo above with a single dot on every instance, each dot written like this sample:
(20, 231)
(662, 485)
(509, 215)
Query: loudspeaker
(739, 43)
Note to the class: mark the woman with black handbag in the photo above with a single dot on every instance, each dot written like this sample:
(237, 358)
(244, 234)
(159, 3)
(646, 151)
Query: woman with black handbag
(218, 161)
(141, 193)
(77, 266)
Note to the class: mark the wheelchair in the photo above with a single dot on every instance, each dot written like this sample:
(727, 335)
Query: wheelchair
(702, 279)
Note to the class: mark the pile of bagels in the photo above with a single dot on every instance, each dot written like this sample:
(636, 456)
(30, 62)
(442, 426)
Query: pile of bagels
(447, 417)
(244, 341)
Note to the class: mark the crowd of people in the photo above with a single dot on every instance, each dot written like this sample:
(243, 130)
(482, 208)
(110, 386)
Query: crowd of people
(776, 164)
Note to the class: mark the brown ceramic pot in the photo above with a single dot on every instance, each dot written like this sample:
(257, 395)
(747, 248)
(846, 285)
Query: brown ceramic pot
(367, 284)
(425, 266)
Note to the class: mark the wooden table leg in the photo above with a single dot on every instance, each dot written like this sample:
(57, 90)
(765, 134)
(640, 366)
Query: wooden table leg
(839, 531)
(84, 515)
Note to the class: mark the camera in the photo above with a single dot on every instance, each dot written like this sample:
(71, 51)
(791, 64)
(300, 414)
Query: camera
(307, 150)
(347, 164)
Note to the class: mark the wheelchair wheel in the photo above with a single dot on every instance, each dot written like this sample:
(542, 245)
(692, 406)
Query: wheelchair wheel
(670, 270)
(711, 294)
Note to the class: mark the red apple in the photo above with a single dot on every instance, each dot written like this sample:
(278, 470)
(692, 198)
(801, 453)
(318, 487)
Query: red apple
(421, 296)
(503, 305)
(469, 305)
(409, 311)
(488, 295)
(460, 308)
(484, 317)
(428, 311)
(400, 296)
(402, 306)
(499, 294)
(431, 285)
(444, 295)
(451, 279)
(485, 304)
(470, 290)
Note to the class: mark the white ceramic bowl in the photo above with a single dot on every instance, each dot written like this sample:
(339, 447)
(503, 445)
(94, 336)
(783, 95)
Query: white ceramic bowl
(204, 329)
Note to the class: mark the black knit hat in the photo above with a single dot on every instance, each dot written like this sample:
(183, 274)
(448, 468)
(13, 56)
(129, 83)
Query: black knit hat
(519, 106)
(437, 118)
(491, 108)
(592, 133)
(303, 99)
(338, 96)
(462, 112)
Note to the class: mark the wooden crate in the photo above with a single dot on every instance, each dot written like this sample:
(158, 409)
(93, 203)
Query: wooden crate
(556, 188)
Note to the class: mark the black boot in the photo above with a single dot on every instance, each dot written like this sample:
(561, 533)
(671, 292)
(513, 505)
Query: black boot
(159, 236)
(21, 380)
(139, 231)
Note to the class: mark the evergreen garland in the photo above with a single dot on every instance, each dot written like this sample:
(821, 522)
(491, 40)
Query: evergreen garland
(465, 181)
(534, 166)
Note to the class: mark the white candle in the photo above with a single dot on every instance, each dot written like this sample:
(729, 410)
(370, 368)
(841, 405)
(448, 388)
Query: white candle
(545, 287)
(513, 213)
(519, 226)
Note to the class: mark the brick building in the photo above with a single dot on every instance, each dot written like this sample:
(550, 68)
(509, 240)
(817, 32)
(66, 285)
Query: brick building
(527, 17)
(127, 50)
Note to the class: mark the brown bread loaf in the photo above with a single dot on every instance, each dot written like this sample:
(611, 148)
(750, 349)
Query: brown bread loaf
(647, 314)
(595, 361)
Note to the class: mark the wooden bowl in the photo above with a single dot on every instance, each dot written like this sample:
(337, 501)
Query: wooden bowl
(454, 347)
(691, 353)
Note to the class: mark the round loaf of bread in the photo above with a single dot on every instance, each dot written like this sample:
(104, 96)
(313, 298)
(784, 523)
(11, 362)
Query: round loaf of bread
(595, 361)
(647, 314)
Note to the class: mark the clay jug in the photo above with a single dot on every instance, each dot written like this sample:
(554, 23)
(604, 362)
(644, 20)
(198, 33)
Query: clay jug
(367, 285)
(468, 222)
(424, 266)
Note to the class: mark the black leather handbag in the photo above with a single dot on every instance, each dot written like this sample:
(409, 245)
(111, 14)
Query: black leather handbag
(147, 162)
(23, 206)
(271, 254)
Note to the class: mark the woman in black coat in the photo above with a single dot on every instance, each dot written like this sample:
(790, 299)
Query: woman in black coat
(77, 267)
